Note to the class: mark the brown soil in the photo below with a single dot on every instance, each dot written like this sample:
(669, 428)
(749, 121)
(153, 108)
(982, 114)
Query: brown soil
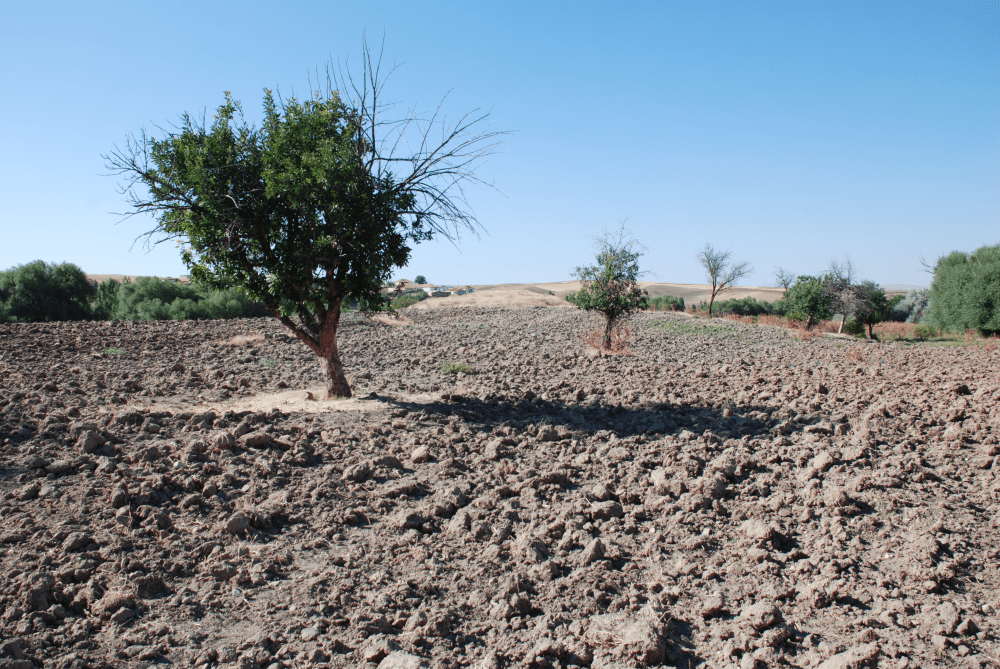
(727, 497)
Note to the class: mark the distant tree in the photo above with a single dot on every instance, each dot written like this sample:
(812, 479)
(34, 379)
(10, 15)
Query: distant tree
(965, 293)
(317, 206)
(44, 292)
(721, 273)
(420, 280)
(807, 299)
(871, 305)
(784, 278)
(839, 285)
(611, 286)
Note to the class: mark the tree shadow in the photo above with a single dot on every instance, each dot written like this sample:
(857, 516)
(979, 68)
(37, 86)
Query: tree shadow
(484, 415)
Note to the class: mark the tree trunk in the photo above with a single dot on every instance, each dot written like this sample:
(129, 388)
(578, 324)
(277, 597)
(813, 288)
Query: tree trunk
(606, 339)
(711, 301)
(870, 335)
(333, 368)
(843, 319)
(809, 322)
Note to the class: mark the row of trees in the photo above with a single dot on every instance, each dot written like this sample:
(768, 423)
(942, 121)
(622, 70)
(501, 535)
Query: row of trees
(611, 287)
(45, 292)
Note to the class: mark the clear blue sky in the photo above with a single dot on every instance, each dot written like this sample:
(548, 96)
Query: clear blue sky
(790, 132)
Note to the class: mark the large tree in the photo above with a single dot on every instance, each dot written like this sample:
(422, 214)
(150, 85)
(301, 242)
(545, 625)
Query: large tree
(611, 286)
(965, 293)
(41, 292)
(720, 271)
(317, 206)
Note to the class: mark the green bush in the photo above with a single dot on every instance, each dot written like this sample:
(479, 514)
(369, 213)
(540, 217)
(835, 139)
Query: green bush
(106, 300)
(912, 308)
(666, 303)
(965, 293)
(404, 301)
(853, 327)
(923, 332)
(747, 306)
(44, 292)
(420, 280)
(152, 299)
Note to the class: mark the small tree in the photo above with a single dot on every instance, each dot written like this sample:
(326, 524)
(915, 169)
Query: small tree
(720, 272)
(784, 278)
(420, 280)
(611, 287)
(838, 284)
(315, 207)
(43, 292)
(806, 298)
(871, 305)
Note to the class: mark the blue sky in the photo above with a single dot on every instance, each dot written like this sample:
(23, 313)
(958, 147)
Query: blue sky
(789, 132)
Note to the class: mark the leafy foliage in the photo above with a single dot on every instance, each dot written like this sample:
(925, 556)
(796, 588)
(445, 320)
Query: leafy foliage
(408, 300)
(420, 280)
(151, 299)
(912, 308)
(746, 306)
(807, 298)
(853, 327)
(666, 303)
(42, 292)
(871, 305)
(611, 287)
(965, 293)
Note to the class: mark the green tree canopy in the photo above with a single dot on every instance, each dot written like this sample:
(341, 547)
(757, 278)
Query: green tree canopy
(870, 305)
(312, 208)
(42, 292)
(807, 299)
(965, 293)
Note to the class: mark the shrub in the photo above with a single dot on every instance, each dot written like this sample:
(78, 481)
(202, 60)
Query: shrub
(404, 301)
(666, 303)
(420, 280)
(965, 293)
(151, 299)
(923, 332)
(912, 308)
(853, 327)
(747, 306)
(106, 300)
(44, 292)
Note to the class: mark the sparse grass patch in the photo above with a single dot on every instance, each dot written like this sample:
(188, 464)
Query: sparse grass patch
(113, 351)
(456, 368)
(269, 363)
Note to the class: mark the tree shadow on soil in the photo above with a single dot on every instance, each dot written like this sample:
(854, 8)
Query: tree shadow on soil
(623, 421)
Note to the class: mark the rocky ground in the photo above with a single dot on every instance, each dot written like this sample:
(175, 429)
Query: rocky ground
(729, 496)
